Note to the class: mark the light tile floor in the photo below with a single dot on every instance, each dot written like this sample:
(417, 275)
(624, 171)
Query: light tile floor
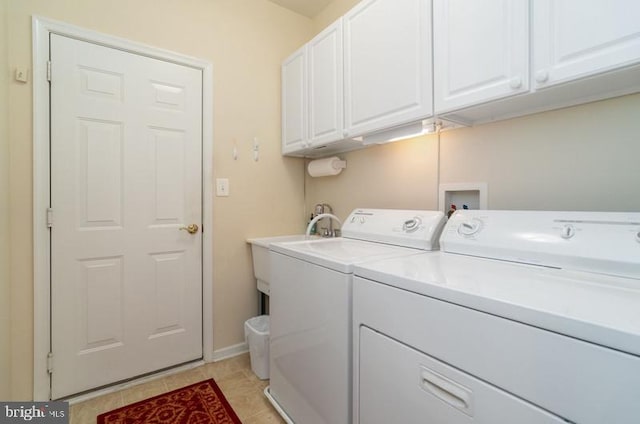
(240, 386)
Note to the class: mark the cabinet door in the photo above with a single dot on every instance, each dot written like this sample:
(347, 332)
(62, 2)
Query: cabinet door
(578, 38)
(325, 85)
(481, 51)
(387, 64)
(294, 102)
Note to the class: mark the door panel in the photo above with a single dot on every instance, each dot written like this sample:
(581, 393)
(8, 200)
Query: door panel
(100, 178)
(100, 288)
(126, 175)
(168, 167)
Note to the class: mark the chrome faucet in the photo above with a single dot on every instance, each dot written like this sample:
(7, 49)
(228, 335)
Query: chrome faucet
(321, 209)
(318, 218)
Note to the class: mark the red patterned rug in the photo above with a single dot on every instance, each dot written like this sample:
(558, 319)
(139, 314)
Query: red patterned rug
(200, 403)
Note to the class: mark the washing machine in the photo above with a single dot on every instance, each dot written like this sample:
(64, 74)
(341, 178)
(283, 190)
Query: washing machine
(521, 317)
(310, 306)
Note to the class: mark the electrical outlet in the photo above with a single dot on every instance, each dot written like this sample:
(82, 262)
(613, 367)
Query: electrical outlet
(222, 187)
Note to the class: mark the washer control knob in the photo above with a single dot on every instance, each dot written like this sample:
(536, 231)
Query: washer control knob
(362, 219)
(469, 228)
(638, 236)
(411, 225)
(568, 231)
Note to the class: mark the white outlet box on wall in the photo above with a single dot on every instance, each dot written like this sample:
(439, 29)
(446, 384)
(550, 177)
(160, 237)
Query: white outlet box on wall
(474, 195)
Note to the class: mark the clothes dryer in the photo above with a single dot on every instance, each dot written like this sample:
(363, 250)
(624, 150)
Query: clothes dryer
(527, 317)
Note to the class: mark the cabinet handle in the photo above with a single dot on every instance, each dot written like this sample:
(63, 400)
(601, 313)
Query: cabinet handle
(542, 76)
(515, 83)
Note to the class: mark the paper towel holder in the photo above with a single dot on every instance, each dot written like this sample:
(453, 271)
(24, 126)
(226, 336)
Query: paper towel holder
(326, 167)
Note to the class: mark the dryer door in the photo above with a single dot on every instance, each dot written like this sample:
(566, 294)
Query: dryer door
(399, 384)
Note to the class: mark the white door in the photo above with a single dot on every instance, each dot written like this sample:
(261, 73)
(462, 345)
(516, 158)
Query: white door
(325, 86)
(387, 64)
(481, 51)
(294, 102)
(126, 140)
(577, 38)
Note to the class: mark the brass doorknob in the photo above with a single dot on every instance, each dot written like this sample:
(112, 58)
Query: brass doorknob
(191, 228)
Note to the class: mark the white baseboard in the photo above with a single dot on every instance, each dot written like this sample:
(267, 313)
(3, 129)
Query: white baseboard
(230, 351)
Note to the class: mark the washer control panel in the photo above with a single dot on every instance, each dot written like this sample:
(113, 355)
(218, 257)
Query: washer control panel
(409, 228)
(605, 242)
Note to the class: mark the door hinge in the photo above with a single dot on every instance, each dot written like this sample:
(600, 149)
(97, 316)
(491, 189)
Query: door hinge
(49, 70)
(49, 217)
(50, 362)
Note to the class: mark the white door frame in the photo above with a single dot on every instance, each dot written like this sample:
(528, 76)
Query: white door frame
(41, 28)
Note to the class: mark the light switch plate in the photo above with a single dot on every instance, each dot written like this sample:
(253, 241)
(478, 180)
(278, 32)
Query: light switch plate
(222, 187)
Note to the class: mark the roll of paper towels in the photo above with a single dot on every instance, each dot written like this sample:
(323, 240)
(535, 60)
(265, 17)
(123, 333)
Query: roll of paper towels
(326, 167)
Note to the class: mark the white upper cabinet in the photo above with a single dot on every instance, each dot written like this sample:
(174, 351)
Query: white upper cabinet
(325, 85)
(481, 51)
(581, 51)
(578, 38)
(387, 64)
(294, 102)
(377, 72)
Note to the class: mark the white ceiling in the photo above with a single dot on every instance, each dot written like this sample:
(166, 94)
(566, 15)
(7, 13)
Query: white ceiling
(309, 8)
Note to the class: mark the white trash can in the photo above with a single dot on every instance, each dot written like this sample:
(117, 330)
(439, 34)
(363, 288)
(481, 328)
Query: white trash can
(256, 333)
